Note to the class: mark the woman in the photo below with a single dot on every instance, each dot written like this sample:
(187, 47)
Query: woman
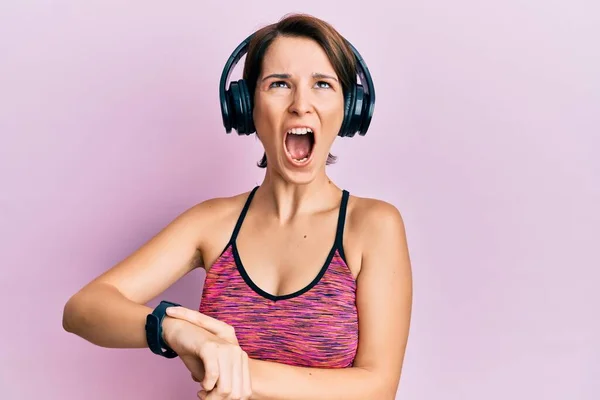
(308, 291)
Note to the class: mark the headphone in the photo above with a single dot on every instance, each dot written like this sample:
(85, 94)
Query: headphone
(236, 102)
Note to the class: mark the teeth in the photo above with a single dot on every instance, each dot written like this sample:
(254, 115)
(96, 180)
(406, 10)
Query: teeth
(302, 160)
(300, 131)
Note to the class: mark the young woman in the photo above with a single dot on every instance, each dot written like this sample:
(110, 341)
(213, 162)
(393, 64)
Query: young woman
(308, 291)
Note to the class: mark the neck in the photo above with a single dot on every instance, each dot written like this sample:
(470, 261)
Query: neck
(284, 200)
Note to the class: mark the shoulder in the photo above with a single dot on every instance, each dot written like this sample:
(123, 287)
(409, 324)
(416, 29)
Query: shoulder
(218, 207)
(376, 219)
(209, 215)
(379, 232)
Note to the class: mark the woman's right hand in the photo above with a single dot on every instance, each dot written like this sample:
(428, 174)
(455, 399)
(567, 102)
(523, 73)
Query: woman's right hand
(220, 366)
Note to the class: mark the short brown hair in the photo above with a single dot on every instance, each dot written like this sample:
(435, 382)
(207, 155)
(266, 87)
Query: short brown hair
(301, 25)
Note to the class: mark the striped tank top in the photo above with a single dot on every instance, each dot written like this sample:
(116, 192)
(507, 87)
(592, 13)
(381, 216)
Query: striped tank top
(316, 326)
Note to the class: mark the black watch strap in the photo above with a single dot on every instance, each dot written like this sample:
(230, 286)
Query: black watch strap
(154, 330)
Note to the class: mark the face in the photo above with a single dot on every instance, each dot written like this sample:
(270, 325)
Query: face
(298, 108)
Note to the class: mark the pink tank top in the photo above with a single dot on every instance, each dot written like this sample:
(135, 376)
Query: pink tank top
(317, 326)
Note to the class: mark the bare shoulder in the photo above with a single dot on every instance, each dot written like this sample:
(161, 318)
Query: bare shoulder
(376, 232)
(219, 207)
(216, 214)
(376, 219)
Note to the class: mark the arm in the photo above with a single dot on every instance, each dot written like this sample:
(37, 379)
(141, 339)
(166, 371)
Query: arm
(110, 310)
(384, 301)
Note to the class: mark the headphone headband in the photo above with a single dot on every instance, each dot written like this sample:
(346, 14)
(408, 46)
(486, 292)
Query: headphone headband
(236, 102)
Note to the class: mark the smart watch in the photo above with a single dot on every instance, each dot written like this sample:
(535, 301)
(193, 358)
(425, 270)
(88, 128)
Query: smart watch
(154, 330)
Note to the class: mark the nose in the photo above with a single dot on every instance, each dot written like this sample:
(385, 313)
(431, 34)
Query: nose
(301, 101)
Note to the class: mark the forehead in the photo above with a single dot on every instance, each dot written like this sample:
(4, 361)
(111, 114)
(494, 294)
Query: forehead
(297, 56)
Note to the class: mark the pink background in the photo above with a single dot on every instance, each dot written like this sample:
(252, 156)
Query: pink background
(485, 135)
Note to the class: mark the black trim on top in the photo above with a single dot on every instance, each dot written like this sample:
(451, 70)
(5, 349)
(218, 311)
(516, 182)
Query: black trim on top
(269, 296)
(238, 223)
(337, 245)
(240, 220)
(339, 234)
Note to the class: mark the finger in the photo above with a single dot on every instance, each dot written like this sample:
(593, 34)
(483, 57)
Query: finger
(246, 381)
(195, 366)
(208, 355)
(212, 325)
(214, 395)
(225, 376)
(236, 373)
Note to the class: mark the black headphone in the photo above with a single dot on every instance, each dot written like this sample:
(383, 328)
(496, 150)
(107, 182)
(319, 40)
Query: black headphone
(236, 103)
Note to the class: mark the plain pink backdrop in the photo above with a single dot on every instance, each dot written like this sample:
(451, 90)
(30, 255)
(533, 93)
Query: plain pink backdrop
(485, 136)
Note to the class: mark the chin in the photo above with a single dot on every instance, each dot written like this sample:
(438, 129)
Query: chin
(300, 173)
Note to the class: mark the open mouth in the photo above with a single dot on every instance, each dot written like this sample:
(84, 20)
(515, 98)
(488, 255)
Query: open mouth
(299, 144)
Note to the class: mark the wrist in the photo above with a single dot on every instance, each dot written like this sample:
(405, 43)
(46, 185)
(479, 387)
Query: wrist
(155, 332)
(170, 326)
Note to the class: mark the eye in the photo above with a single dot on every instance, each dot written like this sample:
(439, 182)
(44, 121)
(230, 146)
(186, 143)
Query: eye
(323, 85)
(278, 84)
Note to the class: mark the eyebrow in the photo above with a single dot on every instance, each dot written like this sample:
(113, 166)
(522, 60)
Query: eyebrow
(288, 76)
(324, 76)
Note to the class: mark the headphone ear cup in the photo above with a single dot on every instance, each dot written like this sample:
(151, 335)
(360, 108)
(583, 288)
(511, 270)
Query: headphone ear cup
(247, 111)
(358, 113)
(348, 109)
(236, 107)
